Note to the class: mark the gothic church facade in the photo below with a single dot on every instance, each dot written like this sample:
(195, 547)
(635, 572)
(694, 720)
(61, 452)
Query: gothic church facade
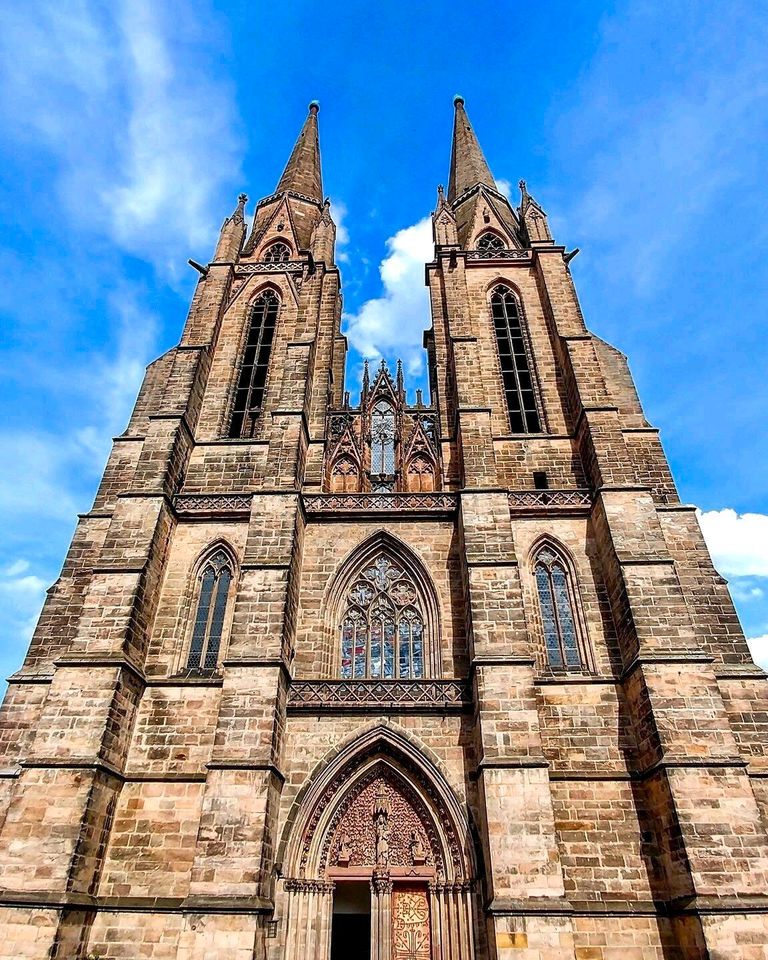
(442, 678)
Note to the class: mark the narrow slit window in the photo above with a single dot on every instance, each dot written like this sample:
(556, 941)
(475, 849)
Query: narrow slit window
(249, 397)
(558, 618)
(215, 582)
(515, 367)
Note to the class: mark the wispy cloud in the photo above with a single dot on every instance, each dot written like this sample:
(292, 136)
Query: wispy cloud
(143, 141)
(392, 325)
(655, 156)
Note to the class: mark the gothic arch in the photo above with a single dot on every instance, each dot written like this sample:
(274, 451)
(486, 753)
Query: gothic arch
(382, 544)
(350, 774)
(564, 558)
(272, 243)
(217, 550)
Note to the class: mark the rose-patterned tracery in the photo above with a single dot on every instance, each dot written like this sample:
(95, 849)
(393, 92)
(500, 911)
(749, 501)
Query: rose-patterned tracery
(382, 629)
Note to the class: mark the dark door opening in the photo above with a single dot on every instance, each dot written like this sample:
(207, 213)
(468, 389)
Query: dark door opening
(351, 927)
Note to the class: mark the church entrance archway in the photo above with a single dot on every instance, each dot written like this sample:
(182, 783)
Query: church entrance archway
(380, 847)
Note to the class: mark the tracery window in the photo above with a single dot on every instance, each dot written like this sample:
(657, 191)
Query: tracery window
(382, 630)
(490, 241)
(214, 583)
(249, 396)
(421, 475)
(344, 476)
(515, 367)
(277, 252)
(558, 611)
(383, 445)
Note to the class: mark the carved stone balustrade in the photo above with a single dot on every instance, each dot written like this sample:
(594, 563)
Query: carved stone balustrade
(392, 695)
(343, 503)
(545, 501)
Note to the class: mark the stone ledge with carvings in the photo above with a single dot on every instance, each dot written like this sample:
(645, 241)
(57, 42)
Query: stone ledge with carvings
(212, 504)
(380, 502)
(526, 501)
(263, 266)
(491, 254)
(393, 694)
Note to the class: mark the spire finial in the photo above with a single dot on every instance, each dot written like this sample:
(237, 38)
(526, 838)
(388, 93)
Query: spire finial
(458, 99)
(314, 107)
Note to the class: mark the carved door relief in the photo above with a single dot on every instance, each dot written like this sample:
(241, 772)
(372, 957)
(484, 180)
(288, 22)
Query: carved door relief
(410, 924)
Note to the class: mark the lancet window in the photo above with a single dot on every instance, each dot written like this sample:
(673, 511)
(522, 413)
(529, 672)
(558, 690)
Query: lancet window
(382, 444)
(213, 592)
(490, 241)
(277, 252)
(249, 397)
(515, 365)
(557, 604)
(382, 628)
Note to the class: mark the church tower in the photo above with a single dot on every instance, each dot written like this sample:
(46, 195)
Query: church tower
(427, 678)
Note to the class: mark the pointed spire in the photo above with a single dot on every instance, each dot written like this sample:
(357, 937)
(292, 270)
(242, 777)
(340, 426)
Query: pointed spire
(468, 165)
(302, 173)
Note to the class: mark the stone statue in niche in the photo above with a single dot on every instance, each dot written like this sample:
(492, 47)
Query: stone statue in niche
(345, 851)
(381, 812)
(418, 853)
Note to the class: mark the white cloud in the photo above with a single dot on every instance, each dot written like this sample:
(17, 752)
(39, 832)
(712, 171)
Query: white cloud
(738, 542)
(339, 213)
(393, 325)
(142, 139)
(505, 187)
(758, 647)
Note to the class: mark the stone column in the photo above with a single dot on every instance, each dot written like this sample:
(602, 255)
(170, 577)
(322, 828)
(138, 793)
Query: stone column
(308, 919)
(381, 916)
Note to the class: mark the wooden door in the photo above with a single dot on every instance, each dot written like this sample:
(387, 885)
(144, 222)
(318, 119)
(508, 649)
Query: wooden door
(410, 924)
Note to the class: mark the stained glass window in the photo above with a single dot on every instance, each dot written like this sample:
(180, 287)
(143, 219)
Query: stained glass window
(490, 241)
(382, 631)
(515, 369)
(215, 581)
(249, 396)
(557, 613)
(277, 253)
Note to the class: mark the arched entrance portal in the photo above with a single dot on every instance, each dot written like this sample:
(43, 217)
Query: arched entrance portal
(379, 843)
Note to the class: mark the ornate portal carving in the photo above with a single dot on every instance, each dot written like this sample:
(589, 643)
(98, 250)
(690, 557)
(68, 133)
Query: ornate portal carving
(379, 827)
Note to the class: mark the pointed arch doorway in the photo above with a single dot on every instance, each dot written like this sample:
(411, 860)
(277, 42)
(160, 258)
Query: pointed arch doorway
(379, 846)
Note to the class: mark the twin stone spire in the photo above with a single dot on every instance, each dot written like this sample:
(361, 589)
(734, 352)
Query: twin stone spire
(302, 181)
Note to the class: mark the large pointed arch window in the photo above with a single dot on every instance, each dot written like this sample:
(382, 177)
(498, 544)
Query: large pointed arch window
(249, 397)
(212, 595)
(515, 365)
(557, 603)
(383, 624)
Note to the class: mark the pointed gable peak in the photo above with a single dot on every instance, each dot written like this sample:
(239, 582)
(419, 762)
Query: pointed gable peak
(468, 164)
(303, 174)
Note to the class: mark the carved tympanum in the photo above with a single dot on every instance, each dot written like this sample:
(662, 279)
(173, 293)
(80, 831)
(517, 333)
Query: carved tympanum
(379, 827)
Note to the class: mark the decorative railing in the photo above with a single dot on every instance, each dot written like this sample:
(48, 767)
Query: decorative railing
(380, 502)
(491, 254)
(280, 266)
(527, 500)
(389, 694)
(213, 504)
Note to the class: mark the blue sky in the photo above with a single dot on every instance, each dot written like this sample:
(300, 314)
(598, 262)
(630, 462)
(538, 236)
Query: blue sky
(128, 129)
